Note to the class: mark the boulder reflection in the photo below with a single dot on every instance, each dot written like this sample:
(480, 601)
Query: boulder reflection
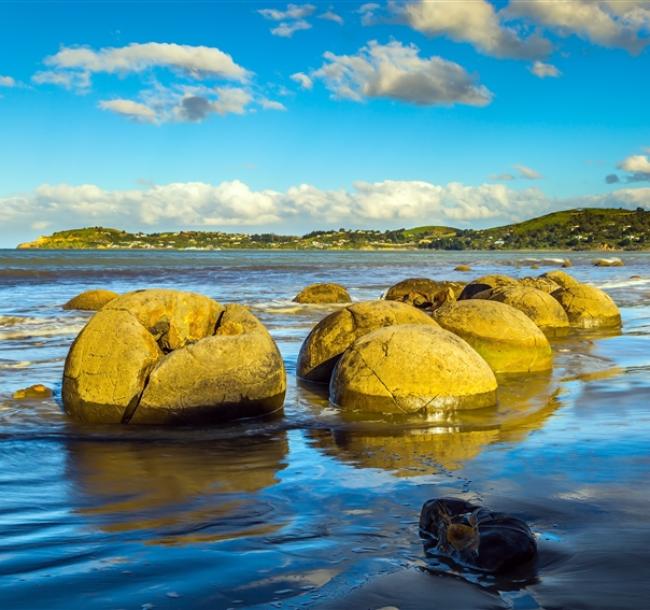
(412, 447)
(178, 491)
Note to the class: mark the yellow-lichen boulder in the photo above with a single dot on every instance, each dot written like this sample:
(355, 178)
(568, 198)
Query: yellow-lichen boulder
(323, 293)
(588, 307)
(544, 284)
(33, 391)
(538, 305)
(91, 300)
(423, 293)
(485, 283)
(337, 331)
(411, 368)
(608, 262)
(507, 339)
(561, 278)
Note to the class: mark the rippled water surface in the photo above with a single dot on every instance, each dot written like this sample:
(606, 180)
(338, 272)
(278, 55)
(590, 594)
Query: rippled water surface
(313, 509)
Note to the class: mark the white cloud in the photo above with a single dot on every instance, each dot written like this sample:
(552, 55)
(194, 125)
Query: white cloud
(288, 28)
(196, 61)
(638, 168)
(330, 15)
(475, 22)
(542, 70)
(609, 23)
(398, 72)
(7, 81)
(293, 11)
(368, 13)
(78, 81)
(303, 80)
(235, 204)
(130, 109)
(272, 105)
(231, 100)
(527, 172)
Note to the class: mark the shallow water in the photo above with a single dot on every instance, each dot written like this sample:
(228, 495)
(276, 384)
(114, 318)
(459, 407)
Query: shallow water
(313, 509)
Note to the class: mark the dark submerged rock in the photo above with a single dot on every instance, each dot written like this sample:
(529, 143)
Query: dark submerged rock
(475, 536)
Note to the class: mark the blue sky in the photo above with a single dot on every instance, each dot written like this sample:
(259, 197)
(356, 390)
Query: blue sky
(246, 116)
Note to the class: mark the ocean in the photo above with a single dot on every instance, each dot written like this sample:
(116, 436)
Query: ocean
(314, 509)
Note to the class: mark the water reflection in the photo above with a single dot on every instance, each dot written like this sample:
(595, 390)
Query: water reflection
(412, 447)
(175, 491)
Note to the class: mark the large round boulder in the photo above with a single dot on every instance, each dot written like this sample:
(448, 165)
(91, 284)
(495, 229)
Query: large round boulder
(337, 331)
(608, 262)
(588, 307)
(485, 283)
(538, 305)
(205, 364)
(561, 278)
(175, 318)
(507, 339)
(544, 284)
(411, 368)
(323, 293)
(423, 293)
(91, 300)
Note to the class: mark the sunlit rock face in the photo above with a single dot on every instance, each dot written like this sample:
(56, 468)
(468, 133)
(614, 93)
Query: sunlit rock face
(588, 307)
(336, 332)
(411, 369)
(164, 357)
(485, 283)
(423, 292)
(505, 337)
(323, 293)
(91, 300)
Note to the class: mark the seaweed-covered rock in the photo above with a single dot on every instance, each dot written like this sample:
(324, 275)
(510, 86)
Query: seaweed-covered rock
(323, 293)
(91, 300)
(588, 307)
(477, 537)
(336, 332)
(423, 293)
(485, 283)
(538, 305)
(411, 369)
(507, 339)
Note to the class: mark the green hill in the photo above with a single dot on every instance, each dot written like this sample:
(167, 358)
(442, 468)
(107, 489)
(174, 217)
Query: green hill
(579, 229)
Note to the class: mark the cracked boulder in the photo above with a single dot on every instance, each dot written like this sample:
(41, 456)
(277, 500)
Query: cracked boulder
(542, 283)
(561, 278)
(91, 300)
(506, 338)
(588, 307)
(315, 294)
(336, 332)
(411, 368)
(485, 283)
(423, 293)
(538, 305)
(123, 366)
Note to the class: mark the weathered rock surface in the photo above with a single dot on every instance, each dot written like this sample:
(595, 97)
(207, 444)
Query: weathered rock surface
(485, 283)
(107, 367)
(462, 268)
(91, 300)
(588, 307)
(236, 373)
(561, 278)
(423, 293)
(544, 284)
(475, 536)
(608, 262)
(507, 339)
(337, 331)
(33, 391)
(323, 293)
(173, 317)
(538, 305)
(411, 368)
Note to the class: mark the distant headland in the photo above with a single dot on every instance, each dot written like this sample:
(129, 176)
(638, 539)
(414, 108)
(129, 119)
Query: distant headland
(578, 229)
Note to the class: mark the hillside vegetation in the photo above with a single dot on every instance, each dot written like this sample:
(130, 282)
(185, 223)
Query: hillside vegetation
(580, 229)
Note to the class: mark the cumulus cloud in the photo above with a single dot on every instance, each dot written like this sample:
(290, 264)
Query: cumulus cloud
(292, 19)
(130, 109)
(289, 28)
(330, 15)
(397, 72)
(196, 61)
(476, 23)
(542, 70)
(303, 80)
(638, 168)
(368, 12)
(7, 81)
(78, 81)
(609, 23)
(272, 105)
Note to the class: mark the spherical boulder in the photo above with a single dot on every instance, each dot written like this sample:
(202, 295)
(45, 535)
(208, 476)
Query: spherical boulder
(191, 362)
(323, 293)
(337, 331)
(485, 283)
(91, 300)
(538, 305)
(175, 318)
(423, 293)
(411, 368)
(507, 339)
(561, 278)
(608, 262)
(588, 307)
(544, 284)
